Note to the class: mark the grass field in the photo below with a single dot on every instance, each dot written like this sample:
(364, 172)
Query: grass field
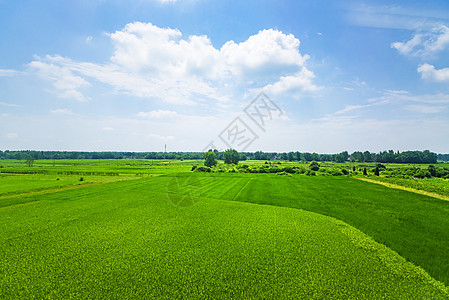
(184, 235)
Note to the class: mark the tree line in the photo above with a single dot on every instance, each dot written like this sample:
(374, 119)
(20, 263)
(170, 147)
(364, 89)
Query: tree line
(390, 156)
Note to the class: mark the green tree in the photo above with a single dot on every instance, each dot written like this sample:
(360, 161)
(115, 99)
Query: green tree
(209, 159)
(314, 166)
(376, 171)
(231, 156)
(432, 170)
(29, 162)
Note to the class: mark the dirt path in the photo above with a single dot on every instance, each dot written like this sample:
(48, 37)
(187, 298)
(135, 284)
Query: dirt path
(400, 187)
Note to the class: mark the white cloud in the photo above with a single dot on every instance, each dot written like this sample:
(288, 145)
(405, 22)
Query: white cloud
(154, 62)
(426, 109)
(66, 84)
(301, 81)
(62, 111)
(425, 43)
(350, 108)
(5, 73)
(425, 104)
(405, 48)
(157, 114)
(108, 128)
(9, 104)
(12, 135)
(429, 72)
(162, 137)
(393, 16)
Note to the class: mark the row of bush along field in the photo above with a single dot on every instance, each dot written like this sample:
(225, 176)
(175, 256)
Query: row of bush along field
(414, 225)
(127, 240)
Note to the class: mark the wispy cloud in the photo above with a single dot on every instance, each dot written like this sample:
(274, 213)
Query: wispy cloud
(62, 111)
(9, 104)
(157, 114)
(162, 137)
(425, 43)
(426, 104)
(66, 84)
(393, 16)
(5, 72)
(12, 135)
(426, 109)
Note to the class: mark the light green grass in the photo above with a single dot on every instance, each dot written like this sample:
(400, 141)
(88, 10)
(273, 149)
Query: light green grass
(127, 240)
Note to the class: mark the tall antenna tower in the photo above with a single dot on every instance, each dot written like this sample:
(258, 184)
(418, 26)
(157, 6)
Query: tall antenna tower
(165, 151)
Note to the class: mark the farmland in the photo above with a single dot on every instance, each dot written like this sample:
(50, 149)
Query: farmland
(154, 229)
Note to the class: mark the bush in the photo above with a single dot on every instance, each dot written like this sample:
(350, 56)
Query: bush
(310, 173)
(284, 174)
(335, 172)
(289, 170)
(203, 169)
(193, 168)
(314, 166)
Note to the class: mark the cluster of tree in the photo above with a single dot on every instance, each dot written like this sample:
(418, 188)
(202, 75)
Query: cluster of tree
(358, 156)
(230, 156)
(425, 157)
(415, 172)
(443, 157)
(26, 154)
(416, 157)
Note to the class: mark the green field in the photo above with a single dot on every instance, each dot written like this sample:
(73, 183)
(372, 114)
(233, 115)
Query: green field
(171, 233)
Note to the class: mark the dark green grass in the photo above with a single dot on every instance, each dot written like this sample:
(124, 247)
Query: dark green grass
(126, 240)
(414, 225)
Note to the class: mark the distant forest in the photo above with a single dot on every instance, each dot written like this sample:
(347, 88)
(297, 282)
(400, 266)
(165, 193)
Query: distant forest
(390, 156)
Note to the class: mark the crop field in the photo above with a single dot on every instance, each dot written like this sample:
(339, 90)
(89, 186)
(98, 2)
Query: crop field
(143, 229)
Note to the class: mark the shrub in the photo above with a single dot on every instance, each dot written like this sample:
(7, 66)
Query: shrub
(335, 172)
(203, 169)
(314, 166)
(289, 170)
(310, 173)
(193, 168)
(284, 174)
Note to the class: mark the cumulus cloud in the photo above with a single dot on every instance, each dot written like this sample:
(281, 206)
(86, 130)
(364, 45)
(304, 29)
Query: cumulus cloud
(425, 43)
(429, 72)
(153, 62)
(301, 81)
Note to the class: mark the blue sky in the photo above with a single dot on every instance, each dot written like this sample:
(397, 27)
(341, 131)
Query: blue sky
(120, 75)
